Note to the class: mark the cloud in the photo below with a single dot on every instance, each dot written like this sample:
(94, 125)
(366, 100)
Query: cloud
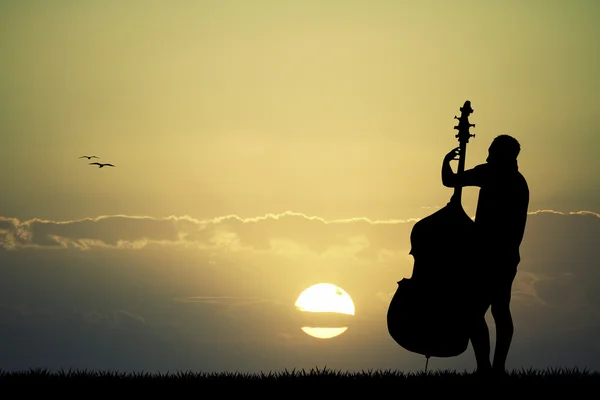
(215, 299)
(181, 292)
(118, 319)
(101, 231)
(556, 250)
(228, 232)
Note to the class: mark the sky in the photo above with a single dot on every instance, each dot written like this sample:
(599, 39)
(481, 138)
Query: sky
(261, 147)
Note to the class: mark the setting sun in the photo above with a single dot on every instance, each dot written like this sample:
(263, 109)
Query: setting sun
(325, 298)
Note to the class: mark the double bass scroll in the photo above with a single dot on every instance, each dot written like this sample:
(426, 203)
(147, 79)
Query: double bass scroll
(463, 136)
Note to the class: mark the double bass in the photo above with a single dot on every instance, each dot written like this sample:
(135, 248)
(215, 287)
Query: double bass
(428, 313)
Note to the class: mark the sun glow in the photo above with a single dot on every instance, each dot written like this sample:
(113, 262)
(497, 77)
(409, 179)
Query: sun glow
(325, 298)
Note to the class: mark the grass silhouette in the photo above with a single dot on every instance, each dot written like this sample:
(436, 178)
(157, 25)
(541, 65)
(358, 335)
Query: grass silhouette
(321, 378)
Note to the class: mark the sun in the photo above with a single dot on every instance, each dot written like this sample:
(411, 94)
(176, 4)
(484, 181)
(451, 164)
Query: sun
(325, 298)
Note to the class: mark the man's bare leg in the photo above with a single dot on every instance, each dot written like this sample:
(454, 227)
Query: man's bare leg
(504, 322)
(480, 340)
(504, 334)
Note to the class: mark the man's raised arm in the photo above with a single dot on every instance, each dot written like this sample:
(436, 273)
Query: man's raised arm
(470, 177)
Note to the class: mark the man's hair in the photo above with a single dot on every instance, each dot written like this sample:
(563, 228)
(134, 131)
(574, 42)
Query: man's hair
(505, 146)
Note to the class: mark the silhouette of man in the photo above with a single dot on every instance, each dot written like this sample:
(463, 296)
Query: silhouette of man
(500, 221)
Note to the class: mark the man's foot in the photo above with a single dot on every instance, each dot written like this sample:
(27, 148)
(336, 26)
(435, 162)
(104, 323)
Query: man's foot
(483, 373)
(499, 372)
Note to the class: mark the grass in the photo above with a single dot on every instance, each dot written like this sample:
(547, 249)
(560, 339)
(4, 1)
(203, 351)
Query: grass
(286, 380)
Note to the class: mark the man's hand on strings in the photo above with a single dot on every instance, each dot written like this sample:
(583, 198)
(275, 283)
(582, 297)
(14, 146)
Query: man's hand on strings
(454, 154)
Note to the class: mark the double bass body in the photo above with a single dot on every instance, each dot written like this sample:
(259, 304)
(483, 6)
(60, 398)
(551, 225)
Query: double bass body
(428, 312)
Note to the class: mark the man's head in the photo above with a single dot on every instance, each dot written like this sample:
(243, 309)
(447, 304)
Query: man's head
(504, 149)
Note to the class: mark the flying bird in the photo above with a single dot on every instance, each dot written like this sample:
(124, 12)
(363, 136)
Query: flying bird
(88, 157)
(101, 165)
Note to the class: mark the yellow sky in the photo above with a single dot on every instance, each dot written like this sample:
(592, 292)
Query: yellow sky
(234, 113)
(332, 108)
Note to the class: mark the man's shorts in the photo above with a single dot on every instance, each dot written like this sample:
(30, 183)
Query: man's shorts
(494, 285)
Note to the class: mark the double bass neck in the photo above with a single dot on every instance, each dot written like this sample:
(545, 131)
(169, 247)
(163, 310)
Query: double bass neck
(463, 136)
